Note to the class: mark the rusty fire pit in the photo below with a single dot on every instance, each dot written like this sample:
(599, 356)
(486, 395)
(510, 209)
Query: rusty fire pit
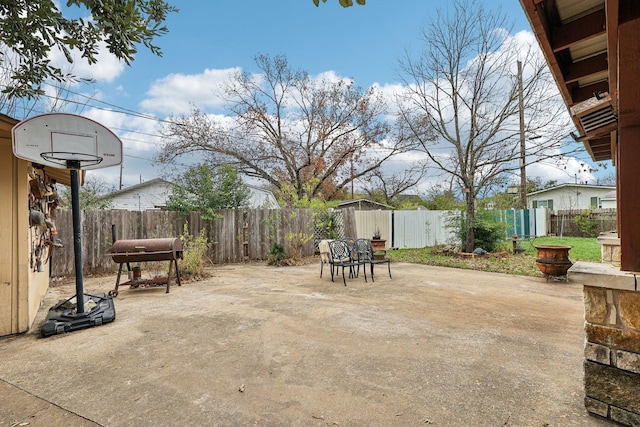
(553, 260)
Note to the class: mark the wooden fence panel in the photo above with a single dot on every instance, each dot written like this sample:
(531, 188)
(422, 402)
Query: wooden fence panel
(349, 223)
(563, 222)
(258, 228)
(260, 234)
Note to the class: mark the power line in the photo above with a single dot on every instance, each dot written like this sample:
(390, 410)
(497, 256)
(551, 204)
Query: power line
(121, 110)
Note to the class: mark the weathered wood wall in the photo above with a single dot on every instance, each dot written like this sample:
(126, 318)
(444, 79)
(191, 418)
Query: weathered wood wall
(254, 229)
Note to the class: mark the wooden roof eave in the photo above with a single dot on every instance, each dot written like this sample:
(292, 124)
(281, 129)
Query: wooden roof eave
(600, 21)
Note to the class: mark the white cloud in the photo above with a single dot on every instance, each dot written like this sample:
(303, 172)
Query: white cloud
(564, 170)
(175, 93)
(107, 69)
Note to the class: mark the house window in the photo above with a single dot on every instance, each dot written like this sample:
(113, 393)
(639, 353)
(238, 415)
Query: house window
(595, 202)
(543, 204)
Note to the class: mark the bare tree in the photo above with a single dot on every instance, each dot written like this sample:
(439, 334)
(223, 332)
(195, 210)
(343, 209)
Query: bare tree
(286, 128)
(387, 186)
(465, 87)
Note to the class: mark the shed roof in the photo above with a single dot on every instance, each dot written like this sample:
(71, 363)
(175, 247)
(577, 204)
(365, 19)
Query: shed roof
(360, 202)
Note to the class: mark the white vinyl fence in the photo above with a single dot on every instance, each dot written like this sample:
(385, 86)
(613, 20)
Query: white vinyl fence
(422, 228)
(406, 229)
(417, 229)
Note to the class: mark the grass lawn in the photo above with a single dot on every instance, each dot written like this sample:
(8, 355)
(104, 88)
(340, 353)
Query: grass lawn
(582, 249)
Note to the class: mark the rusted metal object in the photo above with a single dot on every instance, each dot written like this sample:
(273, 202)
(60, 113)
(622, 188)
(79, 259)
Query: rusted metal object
(147, 250)
(553, 260)
(141, 250)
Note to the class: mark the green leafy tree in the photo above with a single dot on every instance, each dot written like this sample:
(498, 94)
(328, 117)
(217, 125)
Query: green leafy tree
(32, 28)
(443, 201)
(205, 189)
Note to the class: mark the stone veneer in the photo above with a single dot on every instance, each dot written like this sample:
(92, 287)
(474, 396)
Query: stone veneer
(610, 247)
(612, 347)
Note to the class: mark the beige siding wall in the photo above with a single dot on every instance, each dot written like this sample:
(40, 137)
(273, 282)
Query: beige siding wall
(8, 269)
(21, 289)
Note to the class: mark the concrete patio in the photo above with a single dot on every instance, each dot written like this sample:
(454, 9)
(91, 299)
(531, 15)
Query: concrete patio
(266, 346)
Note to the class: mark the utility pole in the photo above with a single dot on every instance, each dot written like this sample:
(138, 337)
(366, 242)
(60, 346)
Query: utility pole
(523, 169)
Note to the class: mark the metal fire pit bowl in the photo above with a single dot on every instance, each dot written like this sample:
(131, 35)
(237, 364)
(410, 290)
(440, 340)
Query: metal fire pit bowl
(147, 250)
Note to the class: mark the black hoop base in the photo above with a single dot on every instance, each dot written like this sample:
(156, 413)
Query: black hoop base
(65, 317)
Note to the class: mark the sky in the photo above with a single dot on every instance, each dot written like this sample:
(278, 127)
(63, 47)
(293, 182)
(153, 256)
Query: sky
(208, 39)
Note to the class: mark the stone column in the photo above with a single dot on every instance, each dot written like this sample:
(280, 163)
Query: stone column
(612, 347)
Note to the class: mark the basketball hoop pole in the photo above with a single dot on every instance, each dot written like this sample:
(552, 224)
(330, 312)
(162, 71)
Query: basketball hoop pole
(74, 166)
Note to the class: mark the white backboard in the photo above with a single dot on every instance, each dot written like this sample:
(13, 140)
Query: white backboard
(60, 139)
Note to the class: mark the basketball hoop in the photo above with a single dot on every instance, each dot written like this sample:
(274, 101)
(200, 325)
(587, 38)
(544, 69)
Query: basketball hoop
(70, 160)
(67, 141)
(58, 140)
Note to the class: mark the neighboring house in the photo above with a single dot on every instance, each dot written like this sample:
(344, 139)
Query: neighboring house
(261, 198)
(570, 196)
(154, 194)
(609, 200)
(363, 205)
(149, 195)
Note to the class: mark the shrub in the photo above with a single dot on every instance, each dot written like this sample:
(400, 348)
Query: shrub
(277, 255)
(194, 250)
(586, 223)
(325, 220)
(489, 231)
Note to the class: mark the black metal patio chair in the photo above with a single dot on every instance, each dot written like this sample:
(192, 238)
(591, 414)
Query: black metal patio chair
(367, 256)
(343, 255)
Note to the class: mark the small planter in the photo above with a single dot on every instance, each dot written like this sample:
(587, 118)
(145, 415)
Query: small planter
(378, 245)
(553, 260)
